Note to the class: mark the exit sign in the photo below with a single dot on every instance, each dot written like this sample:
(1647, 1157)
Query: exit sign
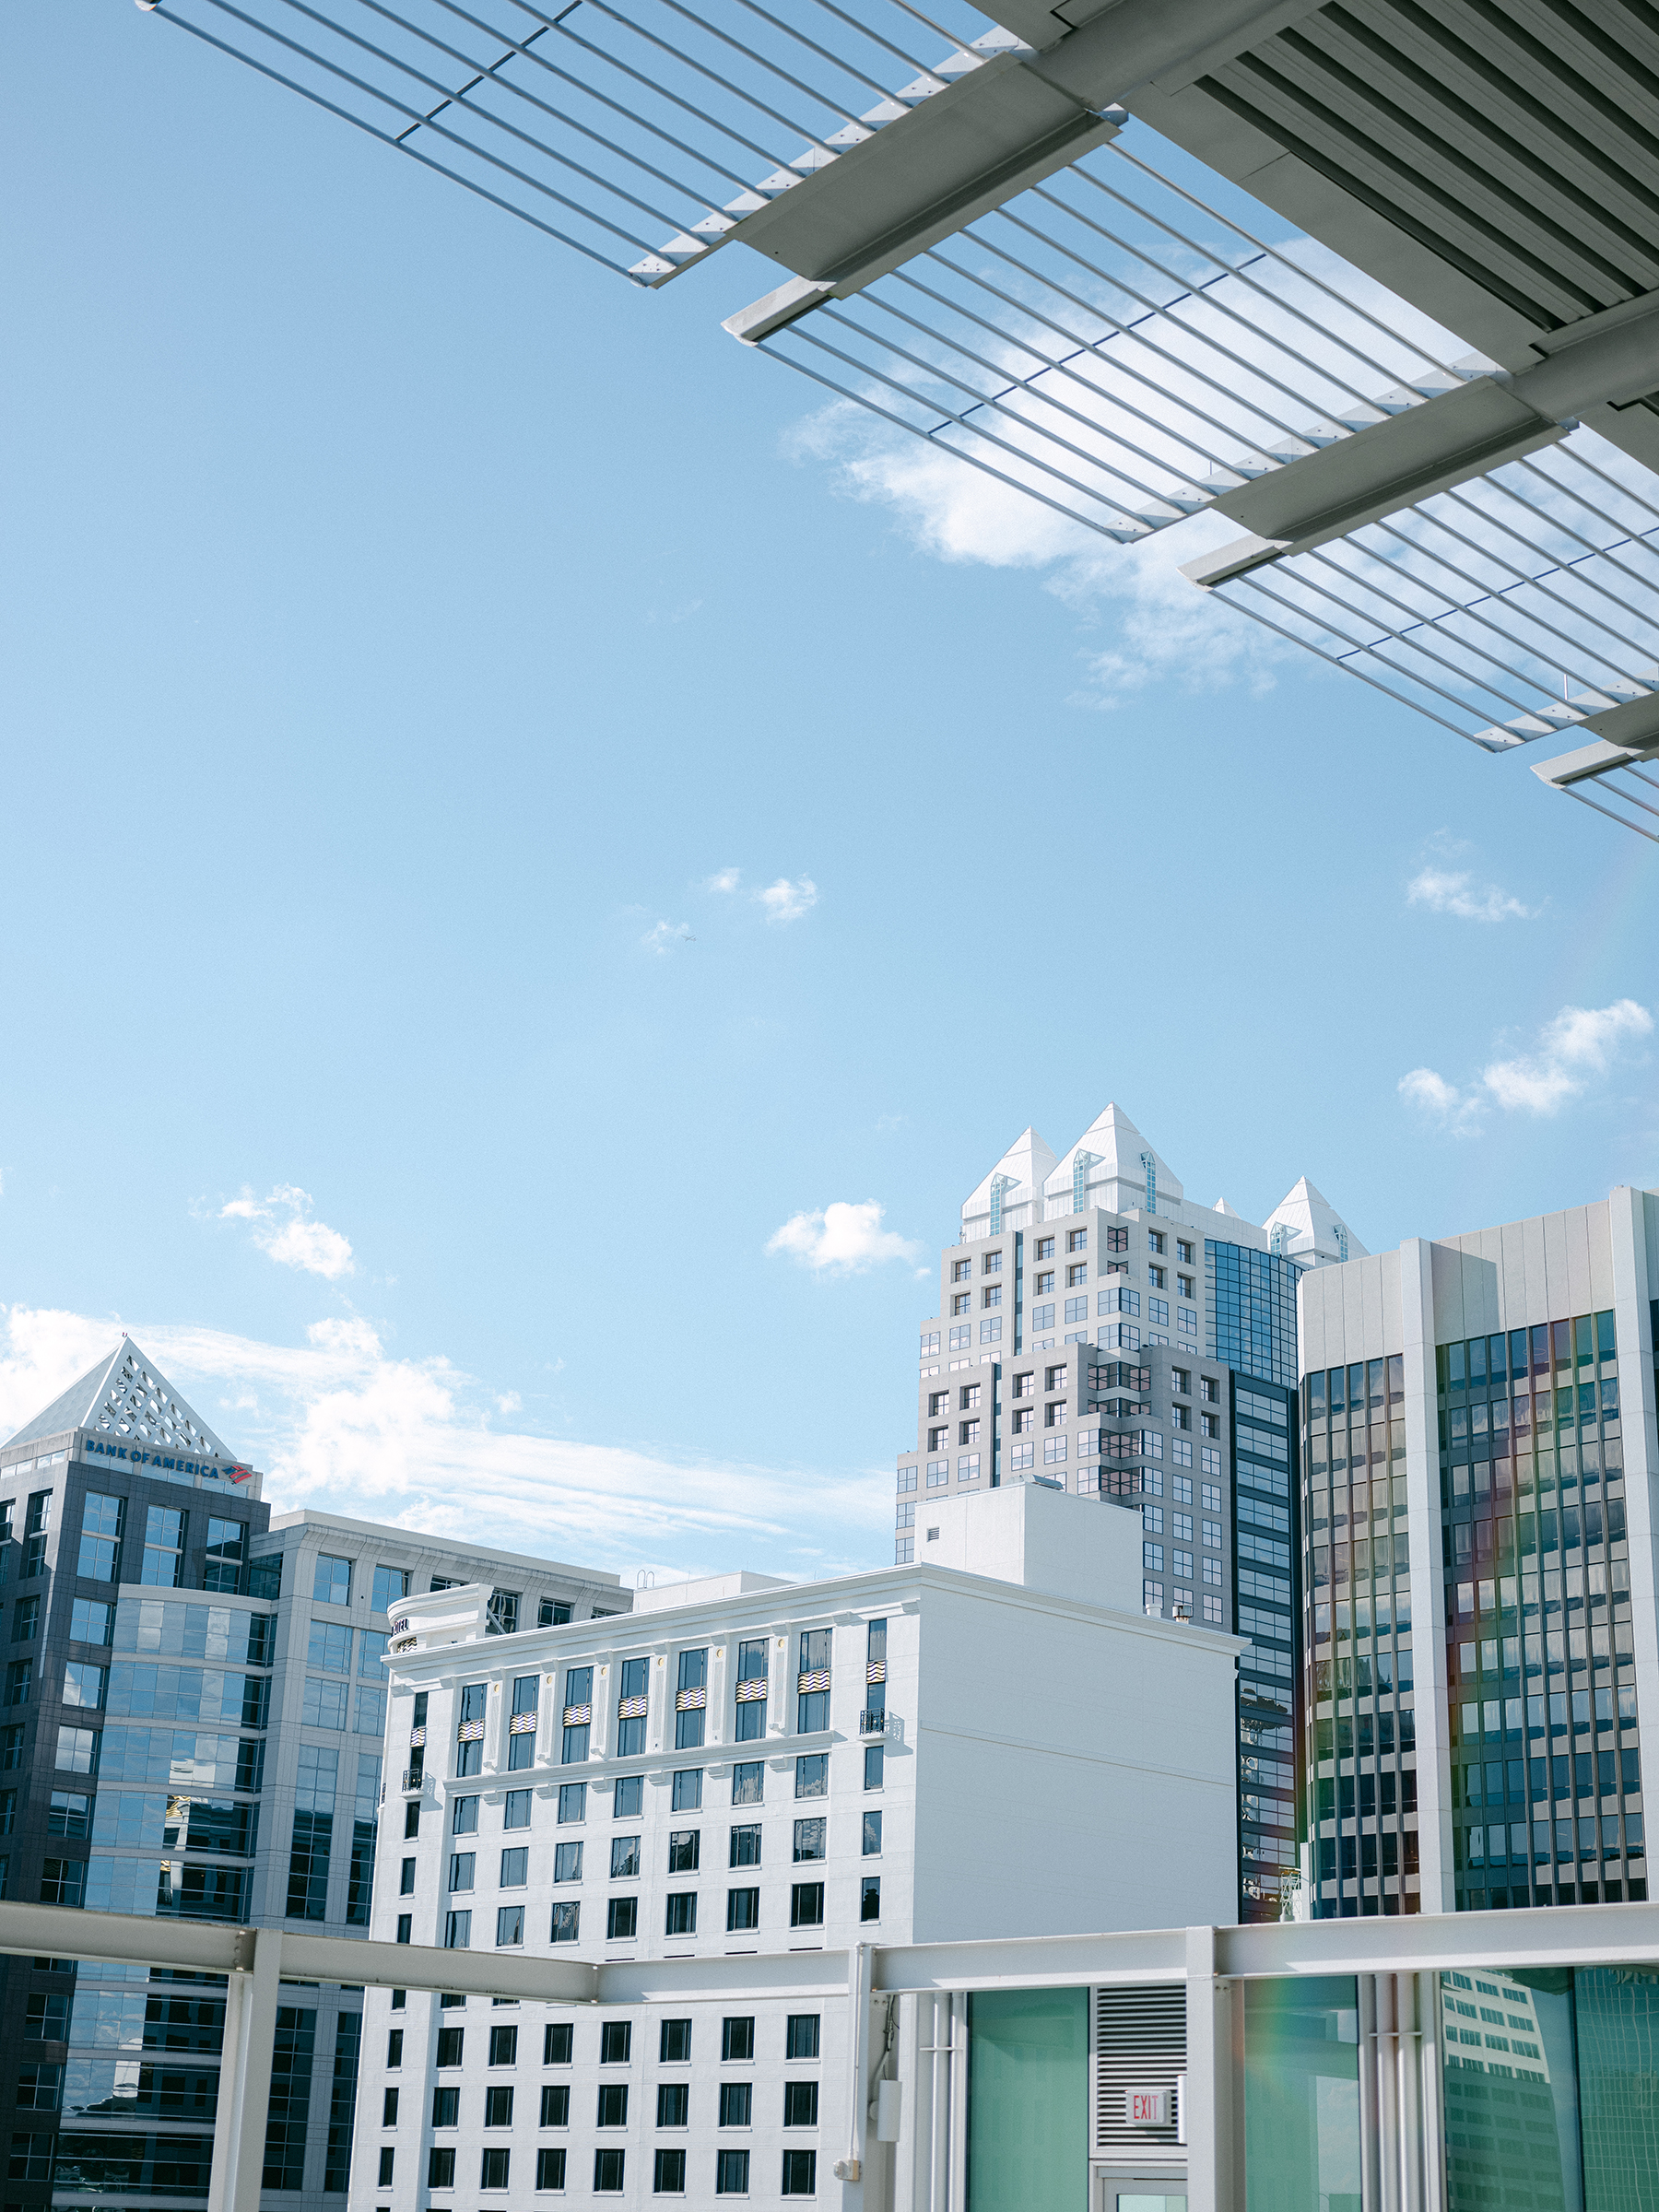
(1147, 2108)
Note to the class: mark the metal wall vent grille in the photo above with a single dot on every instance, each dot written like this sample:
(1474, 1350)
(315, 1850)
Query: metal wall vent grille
(1139, 2042)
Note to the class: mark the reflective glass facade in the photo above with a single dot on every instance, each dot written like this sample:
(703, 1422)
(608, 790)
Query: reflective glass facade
(1357, 1680)
(1250, 1311)
(1545, 1754)
(1265, 1560)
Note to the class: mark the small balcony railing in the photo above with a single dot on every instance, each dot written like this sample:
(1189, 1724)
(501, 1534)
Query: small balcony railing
(873, 1721)
(414, 1780)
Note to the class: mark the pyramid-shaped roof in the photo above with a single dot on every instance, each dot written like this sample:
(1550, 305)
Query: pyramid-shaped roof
(128, 1396)
(1027, 1163)
(1117, 1176)
(1313, 1231)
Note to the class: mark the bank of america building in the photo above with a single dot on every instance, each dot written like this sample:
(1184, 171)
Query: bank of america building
(191, 1724)
(1100, 1332)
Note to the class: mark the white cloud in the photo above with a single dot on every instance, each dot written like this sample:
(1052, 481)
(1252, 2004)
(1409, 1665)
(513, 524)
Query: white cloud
(1576, 1045)
(843, 1237)
(666, 935)
(1580, 1043)
(1442, 1101)
(1453, 891)
(282, 1228)
(723, 880)
(340, 1424)
(1163, 627)
(786, 902)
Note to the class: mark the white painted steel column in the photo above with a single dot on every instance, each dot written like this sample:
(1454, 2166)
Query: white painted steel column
(1411, 2092)
(1209, 2072)
(909, 2192)
(1370, 2176)
(1391, 2142)
(939, 2176)
(1430, 1702)
(957, 2077)
(244, 2091)
(1431, 2088)
(858, 2030)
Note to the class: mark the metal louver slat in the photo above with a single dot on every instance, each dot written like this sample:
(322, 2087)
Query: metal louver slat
(1139, 2042)
(1562, 194)
(1532, 89)
(1454, 220)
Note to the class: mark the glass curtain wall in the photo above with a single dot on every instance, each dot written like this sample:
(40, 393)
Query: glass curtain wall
(1027, 2101)
(1301, 2095)
(1546, 1756)
(1357, 1654)
(1549, 2082)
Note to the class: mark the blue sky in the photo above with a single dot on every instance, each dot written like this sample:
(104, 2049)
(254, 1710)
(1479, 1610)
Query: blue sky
(402, 620)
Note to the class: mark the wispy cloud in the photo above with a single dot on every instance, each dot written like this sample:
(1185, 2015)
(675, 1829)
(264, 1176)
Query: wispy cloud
(723, 880)
(1162, 627)
(667, 937)
(283, 1228)
(842, 1237)
(1454, 891)
(786, 902)
(1573, 1048)
(341, 1424)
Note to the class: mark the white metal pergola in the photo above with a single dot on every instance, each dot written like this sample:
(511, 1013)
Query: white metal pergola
(993, 232)
(1393, 1960)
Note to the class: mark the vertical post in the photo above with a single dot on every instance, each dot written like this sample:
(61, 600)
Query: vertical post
(957, 2077)
(1209, 2038)
(910, 2193)
(1432, 2092)
(1371, 2174)
(244, 2090)
(1410, 2092)
(938, 2178)
(222, 2181)
(857, 2038)
(1390, 2145)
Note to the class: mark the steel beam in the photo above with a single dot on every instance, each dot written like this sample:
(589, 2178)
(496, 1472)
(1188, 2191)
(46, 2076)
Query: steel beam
(973, 145)
(953, 158)
(1607, 362)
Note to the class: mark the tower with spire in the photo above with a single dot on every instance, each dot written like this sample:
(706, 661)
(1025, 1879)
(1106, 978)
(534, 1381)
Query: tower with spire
(1099, 1331)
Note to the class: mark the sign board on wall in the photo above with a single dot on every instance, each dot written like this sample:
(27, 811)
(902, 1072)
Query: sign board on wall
(1147, 2108)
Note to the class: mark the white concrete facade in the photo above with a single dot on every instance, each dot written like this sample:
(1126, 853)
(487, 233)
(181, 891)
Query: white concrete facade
(1042, 1756)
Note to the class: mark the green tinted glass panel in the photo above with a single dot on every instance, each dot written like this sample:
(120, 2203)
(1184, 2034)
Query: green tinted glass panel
(1301, 2095)
(1511, 2104)
(1028, 2109)
(1619, 2066)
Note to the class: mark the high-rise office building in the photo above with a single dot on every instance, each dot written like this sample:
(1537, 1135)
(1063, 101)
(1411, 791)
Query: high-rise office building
(1478, 1455)
(1099, 1331)
(193, 1709)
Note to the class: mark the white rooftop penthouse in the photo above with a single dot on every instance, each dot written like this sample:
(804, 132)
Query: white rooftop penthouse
(995, 1740)
(1114, 1169)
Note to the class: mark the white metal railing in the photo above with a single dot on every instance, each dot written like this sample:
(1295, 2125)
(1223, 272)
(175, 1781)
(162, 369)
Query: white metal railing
(921, 2110)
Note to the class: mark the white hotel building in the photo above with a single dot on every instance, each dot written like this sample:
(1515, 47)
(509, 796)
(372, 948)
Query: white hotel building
(992, 1740)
